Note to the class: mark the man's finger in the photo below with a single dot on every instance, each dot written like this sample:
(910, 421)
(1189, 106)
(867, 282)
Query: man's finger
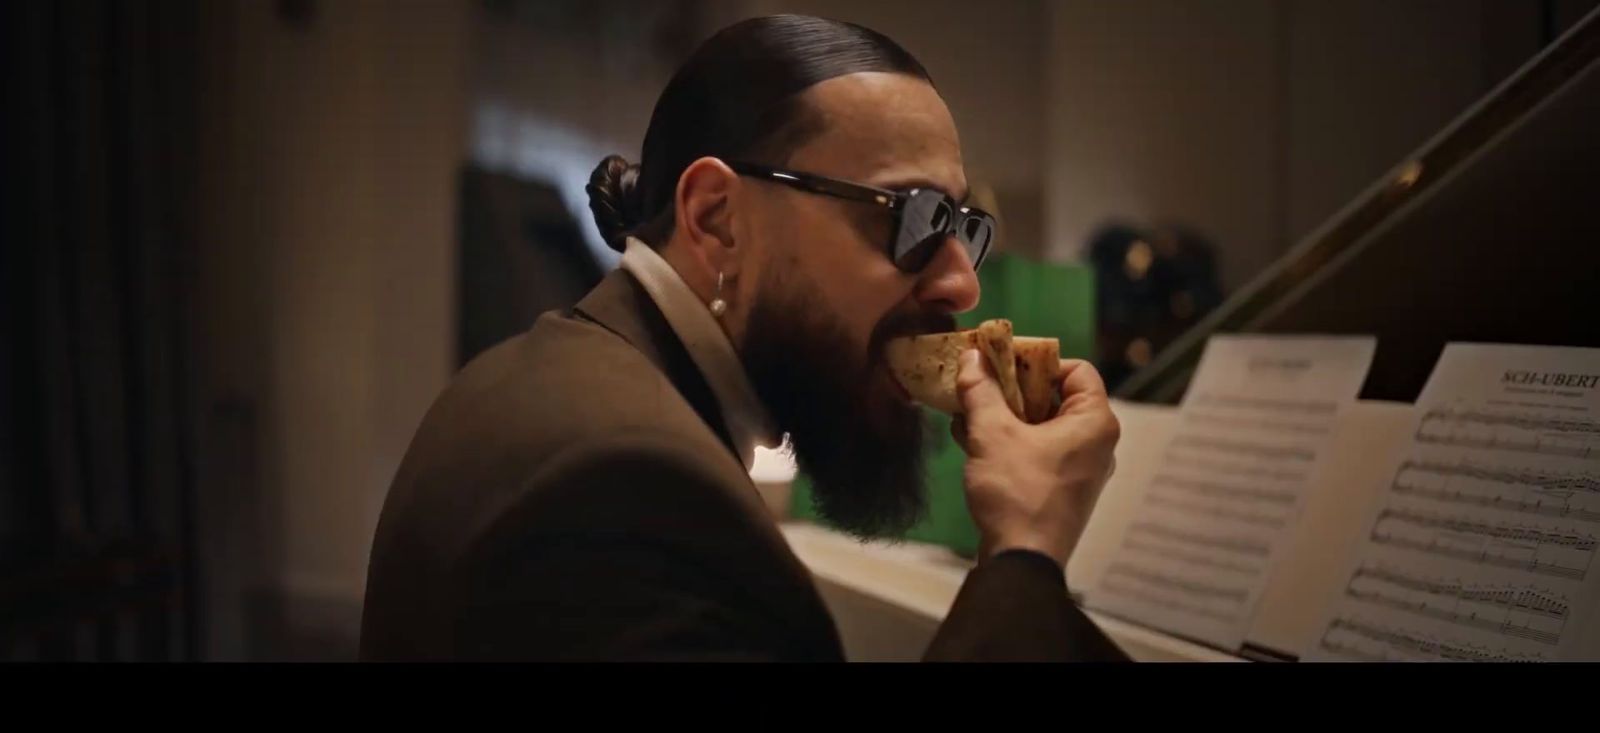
(958, 430)
(979, 391)
(1080, 377)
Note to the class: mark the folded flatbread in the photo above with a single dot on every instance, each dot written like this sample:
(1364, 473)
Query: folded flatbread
(1027, 368)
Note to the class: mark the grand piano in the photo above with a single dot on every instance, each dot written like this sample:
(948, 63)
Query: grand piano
(1488, 232)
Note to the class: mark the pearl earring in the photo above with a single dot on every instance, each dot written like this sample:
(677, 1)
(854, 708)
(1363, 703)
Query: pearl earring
(718, 305)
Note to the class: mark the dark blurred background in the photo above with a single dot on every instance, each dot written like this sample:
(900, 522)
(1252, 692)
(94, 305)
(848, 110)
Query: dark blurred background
(247, 241)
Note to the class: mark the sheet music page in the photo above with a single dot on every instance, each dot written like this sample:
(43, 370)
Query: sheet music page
(1482, 546)
(1254, 423)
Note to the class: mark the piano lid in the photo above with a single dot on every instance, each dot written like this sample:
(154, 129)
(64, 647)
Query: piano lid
(1489, 232)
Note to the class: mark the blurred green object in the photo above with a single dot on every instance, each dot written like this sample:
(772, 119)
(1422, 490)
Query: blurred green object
(1040, 299)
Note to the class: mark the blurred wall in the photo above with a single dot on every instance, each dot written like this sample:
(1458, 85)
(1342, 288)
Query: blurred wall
(1251, 120)
(1256, 120)
(1165, 108)
(333, 135)
(559, 84)
(615, 57)
(989, 61)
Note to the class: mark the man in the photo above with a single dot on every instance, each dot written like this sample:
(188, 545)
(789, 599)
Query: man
(581, 492)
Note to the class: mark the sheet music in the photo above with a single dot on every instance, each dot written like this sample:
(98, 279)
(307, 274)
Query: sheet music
(1255, 421)
(1482, 547)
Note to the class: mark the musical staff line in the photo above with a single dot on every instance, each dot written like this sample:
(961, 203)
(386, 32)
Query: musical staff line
(1406, 642)
(1233, 469)
(1351, 652)
(1267, 403)
(1483, 540)
(1173, 554)
(1243, 448)
(1534, 424)
(1166, 602)
(1483, 558)
(1226, 544)
(1211, 488)
(1530, 598)
(1504, 626)
(1520, 506)
(1259, 520)
(1547, 480)
(1190, 587)
(1506, 445)
(1256, 424)
(1580, 542)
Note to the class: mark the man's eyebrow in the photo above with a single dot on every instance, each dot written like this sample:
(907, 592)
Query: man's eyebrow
(905, 184)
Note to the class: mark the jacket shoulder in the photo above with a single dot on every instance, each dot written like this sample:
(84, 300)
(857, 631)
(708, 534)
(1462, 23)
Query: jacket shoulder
(565, 393)
(562, 380)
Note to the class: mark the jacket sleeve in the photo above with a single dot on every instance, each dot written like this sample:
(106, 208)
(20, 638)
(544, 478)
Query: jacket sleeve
(635, 554)
(638, 553)
(1014, 607)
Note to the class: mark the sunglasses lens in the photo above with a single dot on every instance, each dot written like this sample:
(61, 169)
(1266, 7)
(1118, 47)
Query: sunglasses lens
(940, 218)
(928, 219)
(923, 224)
(977, 232)
(920, 254)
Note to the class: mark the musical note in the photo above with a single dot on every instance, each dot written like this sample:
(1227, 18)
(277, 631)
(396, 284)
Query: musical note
(1537, 492)
(1579, 426)
(1583, 542)
(1502, 545)
(1481, 544)
(1550, 435)
(1411, 645)
(1530, 598)
(1548, 480)
(1490, 607)
(1522, 506)
(1496, 444)
(1551, 568)
(1259, 411)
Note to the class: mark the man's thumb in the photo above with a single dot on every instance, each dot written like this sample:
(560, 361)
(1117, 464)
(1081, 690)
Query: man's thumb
(977, 388)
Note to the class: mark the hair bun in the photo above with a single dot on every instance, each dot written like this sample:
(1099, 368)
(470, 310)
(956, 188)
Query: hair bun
(614, 199)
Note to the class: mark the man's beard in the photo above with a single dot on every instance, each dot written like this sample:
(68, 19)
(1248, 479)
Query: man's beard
(862, 446)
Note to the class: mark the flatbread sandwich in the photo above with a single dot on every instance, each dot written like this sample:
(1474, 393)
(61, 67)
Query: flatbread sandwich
(1027, 368)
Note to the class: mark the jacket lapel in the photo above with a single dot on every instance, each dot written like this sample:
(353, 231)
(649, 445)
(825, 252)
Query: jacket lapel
(620, 305)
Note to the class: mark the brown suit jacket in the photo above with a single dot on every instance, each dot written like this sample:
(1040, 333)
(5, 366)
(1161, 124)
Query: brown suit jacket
(573, 495)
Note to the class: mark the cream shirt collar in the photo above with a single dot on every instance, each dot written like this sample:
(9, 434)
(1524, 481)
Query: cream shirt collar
(748, 423)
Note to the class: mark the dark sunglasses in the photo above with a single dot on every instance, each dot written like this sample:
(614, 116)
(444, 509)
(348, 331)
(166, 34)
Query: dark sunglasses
(924, 217)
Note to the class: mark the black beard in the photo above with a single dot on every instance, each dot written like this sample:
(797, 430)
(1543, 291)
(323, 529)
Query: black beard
(862, 446)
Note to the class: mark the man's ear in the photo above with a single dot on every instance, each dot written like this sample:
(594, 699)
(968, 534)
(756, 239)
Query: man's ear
(704, 215)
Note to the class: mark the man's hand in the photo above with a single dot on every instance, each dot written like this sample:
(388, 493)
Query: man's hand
(1034, 486)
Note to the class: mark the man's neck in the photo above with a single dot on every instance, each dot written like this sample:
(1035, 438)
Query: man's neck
(708, 344)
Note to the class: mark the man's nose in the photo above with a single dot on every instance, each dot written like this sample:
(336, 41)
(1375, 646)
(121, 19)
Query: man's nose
(948, 283)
